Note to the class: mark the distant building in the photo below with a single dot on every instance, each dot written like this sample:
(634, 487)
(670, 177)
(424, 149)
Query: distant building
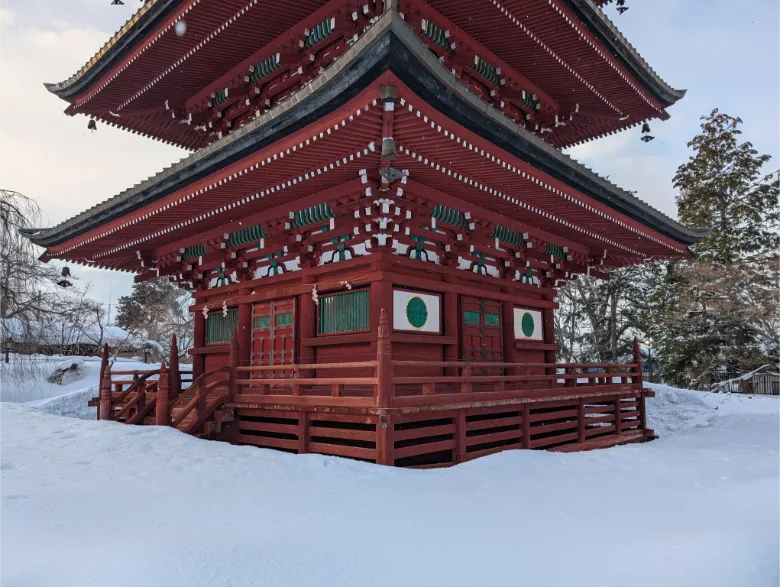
(62, 338)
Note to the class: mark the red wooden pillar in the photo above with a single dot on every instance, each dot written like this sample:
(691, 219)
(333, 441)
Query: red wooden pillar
(508, 333)
(103, 368)
(548, 316)
(244, 330)
(161, 408)
(235, 361)
(451, 325)
(174, 375)
(105, 395)
(384, 364)
(199, 361)
(307, 329)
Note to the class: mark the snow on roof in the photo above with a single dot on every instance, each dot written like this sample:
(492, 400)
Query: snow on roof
(63, 333)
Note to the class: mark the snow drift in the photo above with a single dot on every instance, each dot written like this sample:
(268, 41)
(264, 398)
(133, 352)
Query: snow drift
(88, 503)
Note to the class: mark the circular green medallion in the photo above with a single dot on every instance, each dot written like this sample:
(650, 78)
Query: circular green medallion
(416, 312)
(527, 324)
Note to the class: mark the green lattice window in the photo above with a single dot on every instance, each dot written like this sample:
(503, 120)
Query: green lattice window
(472, 318)
(345, 312)
(219, 328)
(285, 319)
(492, 319)
(262, 322)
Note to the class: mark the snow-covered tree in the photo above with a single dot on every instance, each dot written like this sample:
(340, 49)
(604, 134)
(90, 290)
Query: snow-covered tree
(156, 310)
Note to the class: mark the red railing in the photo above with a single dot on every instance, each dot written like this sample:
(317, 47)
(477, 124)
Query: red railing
(385, 385)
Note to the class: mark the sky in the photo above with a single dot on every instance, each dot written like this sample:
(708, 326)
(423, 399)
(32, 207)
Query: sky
(726, 54)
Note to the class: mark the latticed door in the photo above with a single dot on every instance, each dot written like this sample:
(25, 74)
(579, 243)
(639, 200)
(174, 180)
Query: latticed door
(481, 338)
(273, 336)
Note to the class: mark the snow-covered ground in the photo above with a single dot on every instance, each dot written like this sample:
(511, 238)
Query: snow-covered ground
(88, 503)
(24, 378)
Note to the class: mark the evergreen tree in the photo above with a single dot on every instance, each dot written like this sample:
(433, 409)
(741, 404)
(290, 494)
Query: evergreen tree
(722, 187)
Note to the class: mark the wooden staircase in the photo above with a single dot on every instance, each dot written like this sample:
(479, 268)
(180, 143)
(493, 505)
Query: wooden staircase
(157, 397)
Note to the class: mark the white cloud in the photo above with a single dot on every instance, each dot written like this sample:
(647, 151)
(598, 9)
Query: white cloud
(52, 157)
(7, 17)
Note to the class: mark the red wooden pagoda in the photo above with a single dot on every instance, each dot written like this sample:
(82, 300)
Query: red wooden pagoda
(374, 219)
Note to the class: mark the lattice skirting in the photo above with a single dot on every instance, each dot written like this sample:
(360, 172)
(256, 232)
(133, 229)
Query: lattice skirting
(442, 437)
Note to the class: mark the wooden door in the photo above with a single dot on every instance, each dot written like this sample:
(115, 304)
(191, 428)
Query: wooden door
(273, 336)
(481, 338)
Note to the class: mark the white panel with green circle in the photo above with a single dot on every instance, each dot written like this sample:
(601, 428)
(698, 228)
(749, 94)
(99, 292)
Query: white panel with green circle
(416, 311)
(528, 324)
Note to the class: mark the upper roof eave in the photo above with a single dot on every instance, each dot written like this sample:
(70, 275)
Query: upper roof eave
(147, 16)
(131, 33)
(364, 57)
(609, 35)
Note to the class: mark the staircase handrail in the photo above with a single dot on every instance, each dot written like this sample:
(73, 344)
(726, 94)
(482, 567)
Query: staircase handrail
(201, 391)
(135, 384)
(143, 413)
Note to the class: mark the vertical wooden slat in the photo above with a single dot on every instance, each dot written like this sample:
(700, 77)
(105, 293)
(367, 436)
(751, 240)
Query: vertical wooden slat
(526, 426)
(460, 436)
(303, 433)
(385, 442)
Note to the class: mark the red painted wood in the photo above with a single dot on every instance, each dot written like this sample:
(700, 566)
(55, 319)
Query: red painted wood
(273, 336)
(481, 340)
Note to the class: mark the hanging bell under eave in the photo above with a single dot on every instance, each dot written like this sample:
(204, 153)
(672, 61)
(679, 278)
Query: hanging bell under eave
(92, 125)
(621, 6)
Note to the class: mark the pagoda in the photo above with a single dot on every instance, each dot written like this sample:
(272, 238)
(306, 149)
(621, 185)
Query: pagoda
(374, 219)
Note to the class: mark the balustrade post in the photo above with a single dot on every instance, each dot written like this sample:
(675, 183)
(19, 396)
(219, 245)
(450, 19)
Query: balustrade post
(384, 363)
(103, 367)
(105, 395)
(174, 373)
(465, 386)
(161, 416)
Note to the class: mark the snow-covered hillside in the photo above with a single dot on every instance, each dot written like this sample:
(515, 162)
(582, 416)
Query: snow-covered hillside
(87, 503)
